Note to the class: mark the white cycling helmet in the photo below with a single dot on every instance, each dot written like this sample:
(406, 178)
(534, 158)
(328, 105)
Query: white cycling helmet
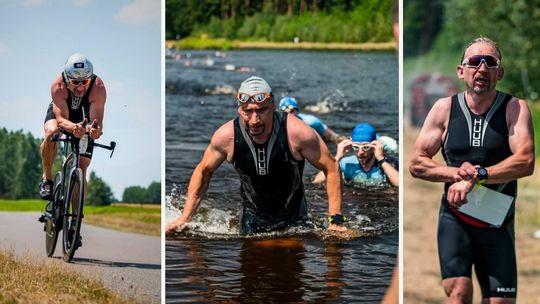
(78, 67)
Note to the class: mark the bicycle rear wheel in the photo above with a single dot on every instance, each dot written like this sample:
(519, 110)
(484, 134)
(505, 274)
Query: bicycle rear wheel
(72, 216)
(52, 213)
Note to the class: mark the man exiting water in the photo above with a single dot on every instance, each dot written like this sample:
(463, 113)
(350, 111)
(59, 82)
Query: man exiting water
(487, 138)
(267, 149)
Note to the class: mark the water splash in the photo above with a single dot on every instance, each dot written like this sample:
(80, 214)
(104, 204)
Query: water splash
(334, 101)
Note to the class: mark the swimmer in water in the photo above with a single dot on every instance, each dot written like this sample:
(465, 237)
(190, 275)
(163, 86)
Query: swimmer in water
(290, 105)
(368, 164)
(268, 150)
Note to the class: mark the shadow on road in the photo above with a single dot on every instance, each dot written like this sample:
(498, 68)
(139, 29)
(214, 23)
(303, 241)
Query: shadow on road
(86, 261)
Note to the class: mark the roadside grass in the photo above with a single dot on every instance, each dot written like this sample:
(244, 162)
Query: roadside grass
(139, 218)
(24, 281)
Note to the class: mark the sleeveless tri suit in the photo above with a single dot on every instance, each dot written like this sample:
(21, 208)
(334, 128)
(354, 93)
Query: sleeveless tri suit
(271, 184)
(77, 106)
(464, 241)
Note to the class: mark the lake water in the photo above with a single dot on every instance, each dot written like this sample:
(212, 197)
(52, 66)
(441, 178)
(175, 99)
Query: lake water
(211, 261)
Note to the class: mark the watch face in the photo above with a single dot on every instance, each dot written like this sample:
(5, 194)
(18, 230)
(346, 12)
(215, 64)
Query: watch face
(482, 173)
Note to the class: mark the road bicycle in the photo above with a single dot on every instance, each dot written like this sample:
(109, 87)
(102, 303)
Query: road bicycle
(67, 191)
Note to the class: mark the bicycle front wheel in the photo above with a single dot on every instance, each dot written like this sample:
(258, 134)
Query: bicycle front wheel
(52, 214)
(73, 210)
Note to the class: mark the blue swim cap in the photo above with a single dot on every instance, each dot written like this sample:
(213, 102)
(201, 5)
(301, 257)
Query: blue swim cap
(288, 103)
(363, 132)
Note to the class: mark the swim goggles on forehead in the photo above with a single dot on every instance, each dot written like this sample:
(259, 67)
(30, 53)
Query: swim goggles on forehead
(256, 98)
(78, 82)
(363, 147)
(475, 61)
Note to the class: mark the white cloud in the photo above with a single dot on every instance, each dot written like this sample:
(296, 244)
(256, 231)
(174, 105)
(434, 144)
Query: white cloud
(139, 12)
(82, 2)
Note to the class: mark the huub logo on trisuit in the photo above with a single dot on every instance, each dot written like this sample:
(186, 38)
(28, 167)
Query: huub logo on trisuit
(75, 102)
(261, 161)
(476, 132)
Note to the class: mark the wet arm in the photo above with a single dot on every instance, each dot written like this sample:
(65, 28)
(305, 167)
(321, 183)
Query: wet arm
(316, 152)
(392, 174)
(200, 180)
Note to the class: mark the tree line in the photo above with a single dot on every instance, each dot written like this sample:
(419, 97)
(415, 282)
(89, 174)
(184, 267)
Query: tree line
(20, 173)
(437, 27)
(281, 20)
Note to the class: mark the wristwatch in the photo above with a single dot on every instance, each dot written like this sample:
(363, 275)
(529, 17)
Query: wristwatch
(337, 219)
(382, 161)
(481, 173)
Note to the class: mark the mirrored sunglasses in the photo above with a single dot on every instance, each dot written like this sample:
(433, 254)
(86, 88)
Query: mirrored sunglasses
(78, 82)
(475, 61)
(257, 98)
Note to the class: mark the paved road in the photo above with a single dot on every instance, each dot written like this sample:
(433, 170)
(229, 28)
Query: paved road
(126, 262)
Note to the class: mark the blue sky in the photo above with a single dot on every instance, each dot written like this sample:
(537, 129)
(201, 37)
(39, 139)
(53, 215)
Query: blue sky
(122, 39)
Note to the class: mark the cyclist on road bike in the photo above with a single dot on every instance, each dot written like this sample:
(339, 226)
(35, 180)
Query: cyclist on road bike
(78, 97)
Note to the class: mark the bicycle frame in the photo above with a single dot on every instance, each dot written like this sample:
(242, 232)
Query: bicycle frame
(61, 202)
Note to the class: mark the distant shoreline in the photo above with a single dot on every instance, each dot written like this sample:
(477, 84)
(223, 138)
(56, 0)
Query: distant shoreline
(202, 44)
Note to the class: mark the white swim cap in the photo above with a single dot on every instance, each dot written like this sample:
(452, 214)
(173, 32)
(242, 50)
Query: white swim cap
(254, 85)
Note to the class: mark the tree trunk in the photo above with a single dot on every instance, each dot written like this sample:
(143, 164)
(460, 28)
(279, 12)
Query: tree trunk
(314, 7)
(233, 9)
(246, 8)
(289, 7)
(302, 7)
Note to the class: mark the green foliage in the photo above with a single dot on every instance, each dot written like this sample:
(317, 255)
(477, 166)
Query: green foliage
(535, 113)
(510, 23)
(205, 43)
(38, 205)
(99, 193)
(334, 21)
(138, 194)
(20, 165)
(423, 20)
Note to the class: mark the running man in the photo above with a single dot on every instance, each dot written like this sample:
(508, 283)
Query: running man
(290, 105)
(486, 137)
(368, 165)
(78, 98)
(268, 150)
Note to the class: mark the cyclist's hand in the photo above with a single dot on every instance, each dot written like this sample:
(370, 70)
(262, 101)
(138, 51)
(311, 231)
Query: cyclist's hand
(78, 130)
(95, 130)
(175, 226)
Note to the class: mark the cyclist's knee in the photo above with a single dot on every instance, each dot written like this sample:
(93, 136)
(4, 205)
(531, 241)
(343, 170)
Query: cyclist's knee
(84, 162)
(50, 128)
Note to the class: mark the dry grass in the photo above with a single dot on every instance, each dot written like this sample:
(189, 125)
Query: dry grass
(23, 281)
(145, 223)
(422, 281)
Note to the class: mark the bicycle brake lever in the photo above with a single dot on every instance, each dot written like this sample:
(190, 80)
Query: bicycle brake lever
(113, 145)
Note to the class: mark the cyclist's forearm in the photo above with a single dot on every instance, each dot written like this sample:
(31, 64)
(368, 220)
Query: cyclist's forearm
(66, 124)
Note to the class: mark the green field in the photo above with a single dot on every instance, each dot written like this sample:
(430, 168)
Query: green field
(144, 219)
